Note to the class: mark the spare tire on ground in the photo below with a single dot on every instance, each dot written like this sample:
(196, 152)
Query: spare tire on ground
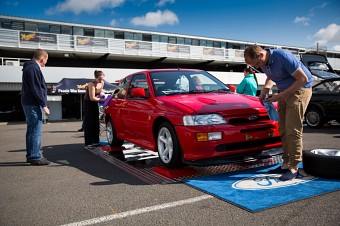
(322, 163)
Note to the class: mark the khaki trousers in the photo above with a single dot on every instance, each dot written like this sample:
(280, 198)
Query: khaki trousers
(291, 112)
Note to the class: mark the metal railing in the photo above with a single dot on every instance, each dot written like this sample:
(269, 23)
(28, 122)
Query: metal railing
(74, 43)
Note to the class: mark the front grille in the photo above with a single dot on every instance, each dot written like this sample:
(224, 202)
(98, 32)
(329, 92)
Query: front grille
(247, 144)
(262, 128)
(246, 120)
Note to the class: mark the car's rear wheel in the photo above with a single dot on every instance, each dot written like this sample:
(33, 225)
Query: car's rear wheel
(314, 118)
(111, 135)
(169, 150)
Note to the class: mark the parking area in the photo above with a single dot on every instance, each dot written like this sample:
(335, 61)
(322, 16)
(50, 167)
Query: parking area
(80, 187)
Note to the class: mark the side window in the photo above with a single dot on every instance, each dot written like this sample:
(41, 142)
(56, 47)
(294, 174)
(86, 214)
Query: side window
(122, 88)
(138, 81)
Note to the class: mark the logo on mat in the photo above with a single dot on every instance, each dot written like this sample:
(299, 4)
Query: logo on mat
(269, 181)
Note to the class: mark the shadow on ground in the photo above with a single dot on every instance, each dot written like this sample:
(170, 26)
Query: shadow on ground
(75, 155)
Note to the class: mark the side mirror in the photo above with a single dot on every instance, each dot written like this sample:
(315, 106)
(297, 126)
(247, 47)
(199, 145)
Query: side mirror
(138, 93)
(232, 88)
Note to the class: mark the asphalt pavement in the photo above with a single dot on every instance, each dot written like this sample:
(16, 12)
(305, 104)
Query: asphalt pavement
(82, 188)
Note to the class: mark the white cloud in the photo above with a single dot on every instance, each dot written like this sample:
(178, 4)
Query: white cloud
(329, 35)
(336, 47)
(113, 23)
(302, 20)
(154, 19)
(79, 6)
(164, 2)
(305, 20)
(312, 10)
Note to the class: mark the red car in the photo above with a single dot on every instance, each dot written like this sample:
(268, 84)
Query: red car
(187, 116)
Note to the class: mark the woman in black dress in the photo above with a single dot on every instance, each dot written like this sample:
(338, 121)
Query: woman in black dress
(91, 109)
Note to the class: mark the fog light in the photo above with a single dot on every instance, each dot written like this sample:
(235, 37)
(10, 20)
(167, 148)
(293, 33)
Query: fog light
(208, 136)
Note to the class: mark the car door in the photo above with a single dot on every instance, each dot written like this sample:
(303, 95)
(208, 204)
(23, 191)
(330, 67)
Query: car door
(137, 111)
(118, 105)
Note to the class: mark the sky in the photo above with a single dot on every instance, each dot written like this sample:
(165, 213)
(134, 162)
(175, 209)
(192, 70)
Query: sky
(297, 23)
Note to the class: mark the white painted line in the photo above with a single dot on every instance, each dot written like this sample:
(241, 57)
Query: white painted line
(139, 211)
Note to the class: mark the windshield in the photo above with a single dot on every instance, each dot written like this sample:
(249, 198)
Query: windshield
(321, 70)
(318, 66)
(183, 82)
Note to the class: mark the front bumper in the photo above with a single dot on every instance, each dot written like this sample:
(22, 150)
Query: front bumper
(235, 140)
(239, 158)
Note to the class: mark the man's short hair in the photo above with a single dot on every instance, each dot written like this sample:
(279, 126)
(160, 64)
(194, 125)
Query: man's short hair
(39, 53)
(252, 51)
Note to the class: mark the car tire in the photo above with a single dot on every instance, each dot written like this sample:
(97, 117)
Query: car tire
(322, 163)
(314, 118)
(111, 134)
(168, 147)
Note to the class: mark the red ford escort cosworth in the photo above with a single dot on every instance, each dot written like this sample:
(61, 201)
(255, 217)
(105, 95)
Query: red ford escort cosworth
(187, 116)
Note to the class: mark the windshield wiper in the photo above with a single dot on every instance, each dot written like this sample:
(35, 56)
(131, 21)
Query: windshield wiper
(222, 90)
(197, 91)
(174, 92)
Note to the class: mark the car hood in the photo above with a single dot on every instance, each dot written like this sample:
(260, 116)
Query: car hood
(223, 103)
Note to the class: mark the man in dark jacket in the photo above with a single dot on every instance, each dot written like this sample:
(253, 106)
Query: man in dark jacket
(34, 103)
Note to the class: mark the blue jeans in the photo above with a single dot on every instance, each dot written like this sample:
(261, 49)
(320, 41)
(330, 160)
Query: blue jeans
(33, 133)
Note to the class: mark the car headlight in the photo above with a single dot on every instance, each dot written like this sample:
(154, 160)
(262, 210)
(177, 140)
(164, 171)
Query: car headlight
(203, 120)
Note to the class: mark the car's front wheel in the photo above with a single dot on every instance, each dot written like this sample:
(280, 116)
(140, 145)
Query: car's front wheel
(111, 135)
(314, 118)
(169, 150)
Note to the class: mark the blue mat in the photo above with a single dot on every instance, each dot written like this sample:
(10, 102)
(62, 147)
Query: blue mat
(255, 190)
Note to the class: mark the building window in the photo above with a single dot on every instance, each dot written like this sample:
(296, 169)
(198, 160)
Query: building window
(99, 33)
(164, 39)
(128, 35)
(16, 25)
(30, 26)
(55, 29)
(236, 46)
(187, 41)
(180, 41)
(137, 36)
(195, 42)
(109, 34)
(210, 43)
(88, 32)
(172, 40)
(203, 43)
(66, 30)
(78, 31)
(6, 24)
(155, 38)
(146, 37)
(223, 45)
(217, 44)
(119, 35)
(43, 28)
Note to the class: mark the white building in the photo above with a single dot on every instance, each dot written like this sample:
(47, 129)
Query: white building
(76, 50)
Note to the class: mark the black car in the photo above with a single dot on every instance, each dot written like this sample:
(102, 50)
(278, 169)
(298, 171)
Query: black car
(324, 105)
